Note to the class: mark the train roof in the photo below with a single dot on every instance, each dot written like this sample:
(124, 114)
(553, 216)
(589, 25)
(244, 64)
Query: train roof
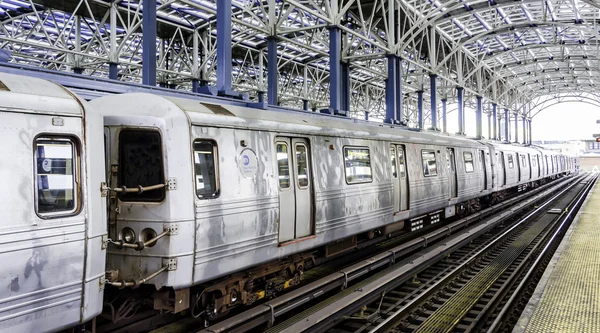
(28, 94)
(201, 113)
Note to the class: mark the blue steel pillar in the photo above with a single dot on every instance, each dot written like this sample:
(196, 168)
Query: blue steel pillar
(420, 108)
(506, 125)
(305, 104)
(461, 115)
(524, 130)
(390, 91)
(345, 95)
(433, 88)
(335, 75)
(272, 71)
(530, 134)
(479, 118)
(489, 126)
(444, 115)
(224, 69)
(495, 135)
(516, 128)
(113, 71)
(398, 88)
(149, 42)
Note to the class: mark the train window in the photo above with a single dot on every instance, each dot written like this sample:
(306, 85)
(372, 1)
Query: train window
(429, 163)
(141, 163)
(205, 169)
(468, 158)
(302, 165)
(401, 162)
(283, 165)
(511, 164)
(523, 161)
(56, 177)
(358, 165)
(534, 162)
(393, 161)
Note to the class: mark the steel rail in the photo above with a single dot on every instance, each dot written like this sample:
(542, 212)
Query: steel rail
(347, 301)
(385, 325)
(515, 296)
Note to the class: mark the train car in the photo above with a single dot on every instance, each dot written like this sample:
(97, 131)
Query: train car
(52, 216)
(201, 191)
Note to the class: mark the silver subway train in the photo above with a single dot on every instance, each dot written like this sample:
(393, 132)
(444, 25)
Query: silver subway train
(250, 186)
(209, 205)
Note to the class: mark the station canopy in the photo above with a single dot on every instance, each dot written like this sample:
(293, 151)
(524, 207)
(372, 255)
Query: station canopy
(521, 55)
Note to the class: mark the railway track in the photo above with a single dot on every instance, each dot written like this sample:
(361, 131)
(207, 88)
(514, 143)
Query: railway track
(471, 289)
(294, 302)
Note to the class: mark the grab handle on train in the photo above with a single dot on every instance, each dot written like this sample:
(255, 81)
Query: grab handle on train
(138, 246)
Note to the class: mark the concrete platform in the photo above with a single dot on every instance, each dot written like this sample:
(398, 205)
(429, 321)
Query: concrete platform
(567, 299)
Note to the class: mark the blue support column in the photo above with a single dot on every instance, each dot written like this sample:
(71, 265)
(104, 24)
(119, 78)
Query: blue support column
(420, 108)
(516, 128)
(113, 71)
(433, 92)
(461, 114)
(444, 128)
(530, 134)
(345, 96)
(305, 104)
(272, 71)
(335, 75)
(506, 125)
(195, 85)
(495, 134)
(390, 91)
(524, 129)
(149, 42)
(367, 115)
(489, 126)
(479, 118)
(224, 69)
(399, 96)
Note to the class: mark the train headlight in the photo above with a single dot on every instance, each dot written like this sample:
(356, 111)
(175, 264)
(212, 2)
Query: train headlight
(148, 234)
(128, 235)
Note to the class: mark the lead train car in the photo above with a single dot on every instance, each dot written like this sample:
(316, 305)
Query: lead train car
(247, 186)
(52, 217)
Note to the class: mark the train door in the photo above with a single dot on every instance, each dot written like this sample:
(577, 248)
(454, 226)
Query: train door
(483, 164)
(547, 166)
(295, 194)
(502, 169)
(452, 176)
(399, 177)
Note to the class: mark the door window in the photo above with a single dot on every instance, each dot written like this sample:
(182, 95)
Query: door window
(283, 165)
(511, 164)
(141, 164)
(56, 176)
(302, 165)
(401, 163)
(393, 161)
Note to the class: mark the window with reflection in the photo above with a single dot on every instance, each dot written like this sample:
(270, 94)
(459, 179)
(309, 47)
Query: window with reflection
(302, 165)
(283, 165)
(358, 165)
(205, 169)
(56, 176)
(511, 163)
(468, 158)
(401, 165)
(429, 163)
(393, 161)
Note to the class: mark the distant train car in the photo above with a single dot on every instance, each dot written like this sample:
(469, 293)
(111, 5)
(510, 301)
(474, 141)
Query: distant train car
(52, 216)
(201, 191)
